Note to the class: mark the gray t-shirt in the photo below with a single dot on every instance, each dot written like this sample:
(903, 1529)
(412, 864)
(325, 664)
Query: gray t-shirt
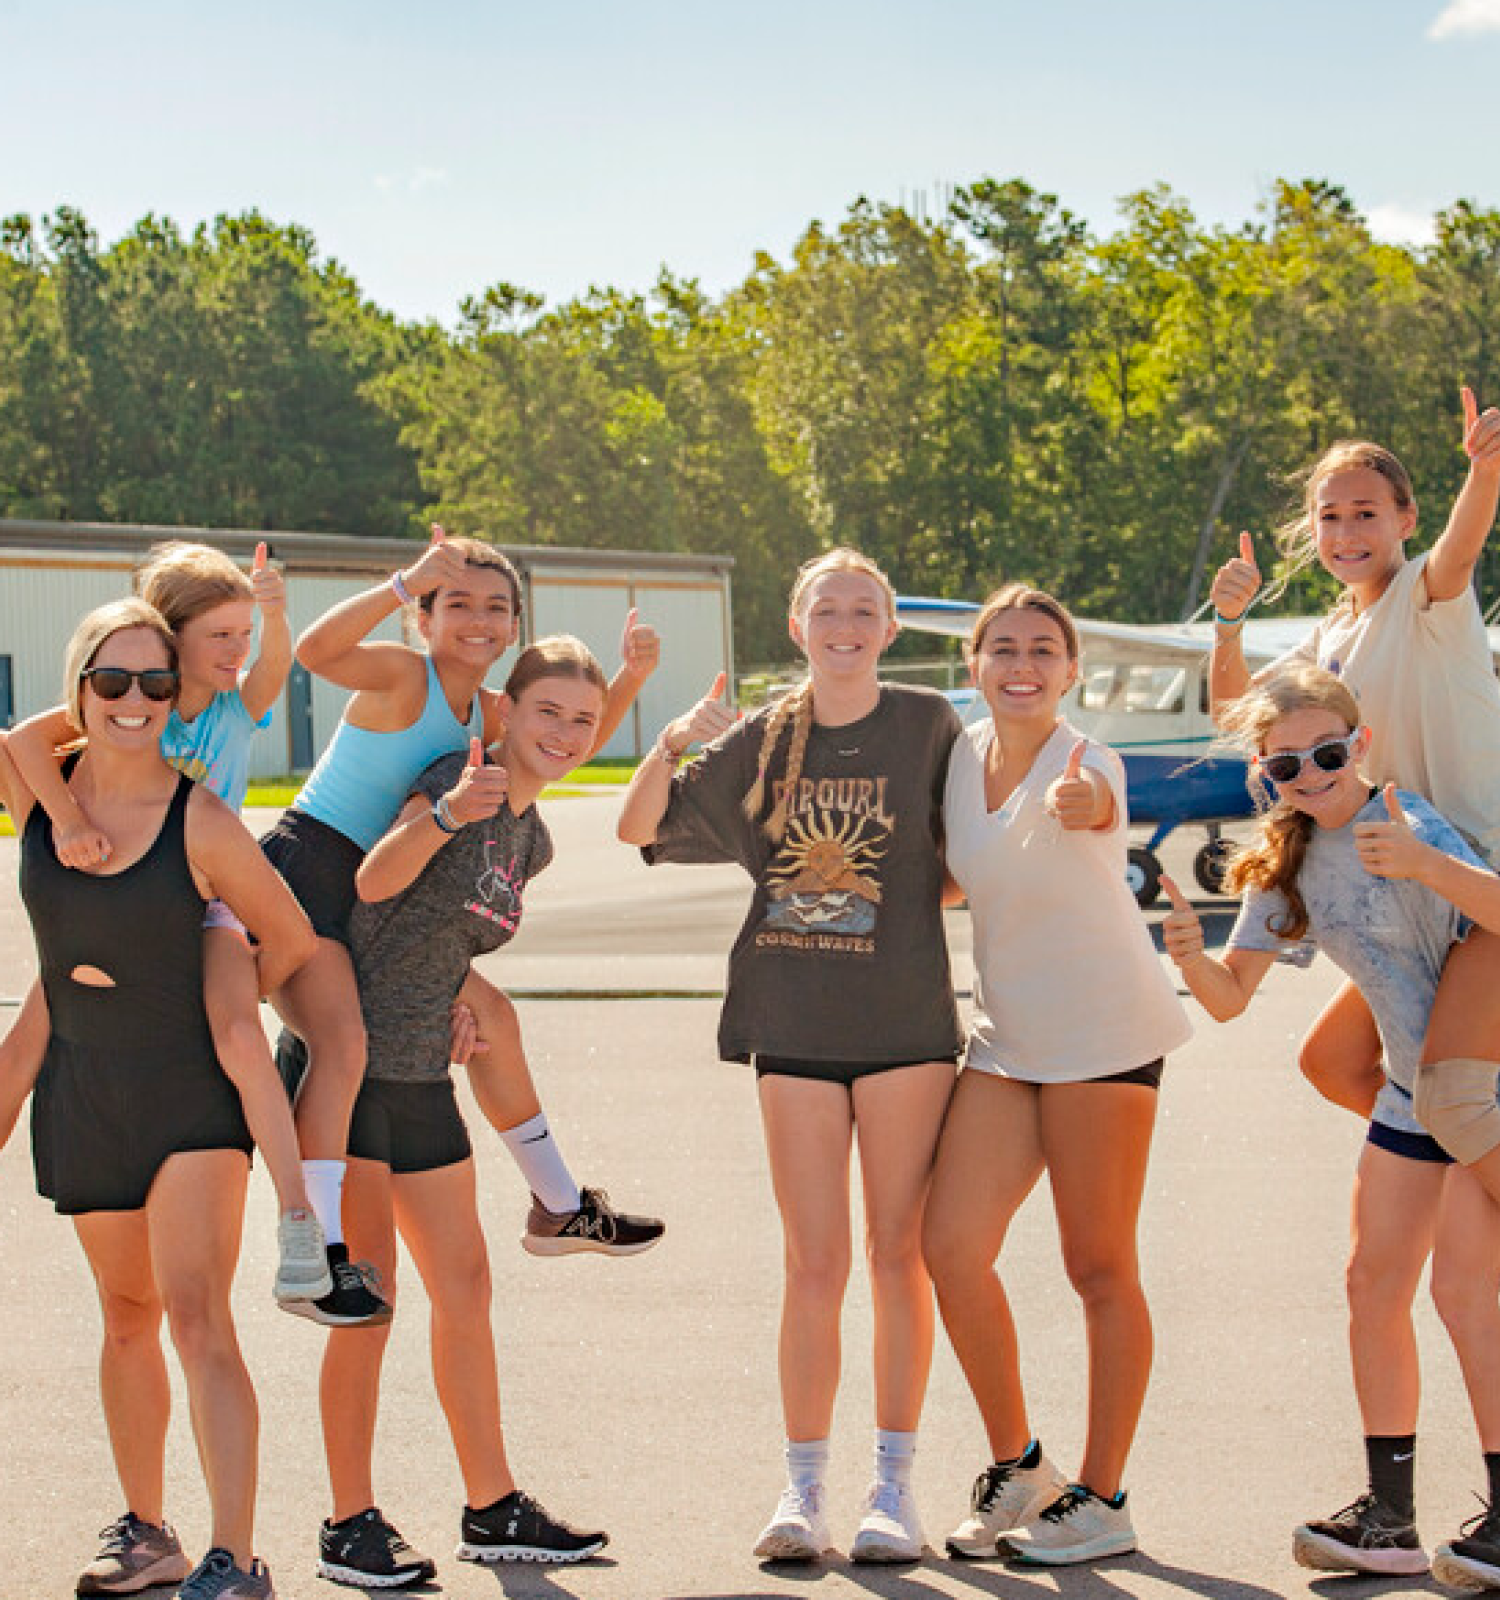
(842, 956)
(1390, 935)
(412, 952)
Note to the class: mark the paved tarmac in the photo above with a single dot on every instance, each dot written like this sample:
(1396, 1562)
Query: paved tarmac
(641, 1394)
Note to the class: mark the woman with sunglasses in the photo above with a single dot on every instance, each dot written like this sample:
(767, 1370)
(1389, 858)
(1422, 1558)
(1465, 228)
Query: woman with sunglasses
(1387, 887)
(137, 1133)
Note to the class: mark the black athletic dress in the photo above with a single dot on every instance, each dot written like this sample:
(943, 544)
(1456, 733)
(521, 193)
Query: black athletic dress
(130, 1076)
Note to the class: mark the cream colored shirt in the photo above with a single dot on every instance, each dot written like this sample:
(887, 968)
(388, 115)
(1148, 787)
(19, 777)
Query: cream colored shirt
(1067, 985)
(1425, 681)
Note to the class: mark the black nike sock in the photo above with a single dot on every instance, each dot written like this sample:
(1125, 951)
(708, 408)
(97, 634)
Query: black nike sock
(1393, 1469)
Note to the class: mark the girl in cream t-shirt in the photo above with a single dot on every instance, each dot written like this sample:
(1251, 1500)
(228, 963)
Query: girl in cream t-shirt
(1074, 1013)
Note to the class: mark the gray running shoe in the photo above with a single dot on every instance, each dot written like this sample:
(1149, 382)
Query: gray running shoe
(595, 1225)
(217, 1578)
(302, 1273)
(134, 1555)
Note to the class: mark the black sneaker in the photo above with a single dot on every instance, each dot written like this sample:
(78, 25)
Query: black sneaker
(366, 1552)
(353, 1303)
(1472, 1561)
(518, 1529)
(1365, 1537)
(595, 1225)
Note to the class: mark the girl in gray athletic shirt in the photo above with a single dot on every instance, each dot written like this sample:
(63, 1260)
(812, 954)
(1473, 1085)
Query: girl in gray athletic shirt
(443, 886)
(1386, 887)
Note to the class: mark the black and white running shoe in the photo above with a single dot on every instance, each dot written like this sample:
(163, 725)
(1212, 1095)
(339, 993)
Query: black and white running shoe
(518, 1529)
(366, 1552)
(353, 1303)
(1471, 1561)
(1364, 1537)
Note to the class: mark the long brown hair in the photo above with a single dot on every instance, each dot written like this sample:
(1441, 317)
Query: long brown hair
(1297, 539)
(794, 709)
(1274, 859)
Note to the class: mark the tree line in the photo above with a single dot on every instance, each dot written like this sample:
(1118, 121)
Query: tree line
(997, 392)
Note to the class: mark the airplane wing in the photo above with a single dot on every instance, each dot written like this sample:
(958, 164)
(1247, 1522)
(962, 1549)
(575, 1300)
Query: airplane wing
(1153, 643)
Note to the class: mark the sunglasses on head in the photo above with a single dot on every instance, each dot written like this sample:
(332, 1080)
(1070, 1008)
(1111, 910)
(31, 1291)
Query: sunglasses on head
(113, 683)
(1330, 755)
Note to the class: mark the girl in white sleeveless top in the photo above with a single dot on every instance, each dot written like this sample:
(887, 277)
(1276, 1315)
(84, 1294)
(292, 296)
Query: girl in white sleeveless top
(1073, 1015)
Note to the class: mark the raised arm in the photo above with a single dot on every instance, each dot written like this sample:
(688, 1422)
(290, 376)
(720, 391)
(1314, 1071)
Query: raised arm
(640, 654)
(1222, 988)
(1235, 586)
(273, 661)
(1450, 566)
(33, 748)
(336, 645)
(231, 866)
(651, 785)
(423, 828)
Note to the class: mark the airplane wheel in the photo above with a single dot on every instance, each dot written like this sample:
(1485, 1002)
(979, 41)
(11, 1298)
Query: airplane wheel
(1210, 863)
(1143, 874)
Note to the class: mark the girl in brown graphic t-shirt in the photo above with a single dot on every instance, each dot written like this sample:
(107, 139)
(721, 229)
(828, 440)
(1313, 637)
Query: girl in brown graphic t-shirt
(839, 992)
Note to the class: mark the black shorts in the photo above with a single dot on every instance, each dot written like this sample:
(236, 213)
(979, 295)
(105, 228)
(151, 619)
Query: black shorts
(1413, 1146)
(845, 1072)
(104, 1123)
(319, 864)
(408, 1127)
(1150, 1075)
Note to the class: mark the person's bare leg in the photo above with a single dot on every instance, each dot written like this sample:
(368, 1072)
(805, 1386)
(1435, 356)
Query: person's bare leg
(897, 1118)
(320, 1003)
(1096, 1138)
(349, 1384)
(438, 1216)
(988, 1160)
(1465, 1025)
(1466, 1291)
(499, 1074)
(232, 998)
(1341, 1055)
(194, 1214)
(808, 1127)
(21, 1054)
(133, 1384)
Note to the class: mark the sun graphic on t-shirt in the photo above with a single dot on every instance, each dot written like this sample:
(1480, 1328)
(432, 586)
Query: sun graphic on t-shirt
(819, 856)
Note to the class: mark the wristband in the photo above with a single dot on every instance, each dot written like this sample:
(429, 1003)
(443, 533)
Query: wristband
(444, 817)
(1234, 623)
(664, 752)
(399, 589)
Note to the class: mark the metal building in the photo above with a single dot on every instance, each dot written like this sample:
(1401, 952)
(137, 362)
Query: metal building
(52, 573)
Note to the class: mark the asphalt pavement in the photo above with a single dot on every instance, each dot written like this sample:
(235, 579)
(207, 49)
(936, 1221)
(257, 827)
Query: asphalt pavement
(641, 1394)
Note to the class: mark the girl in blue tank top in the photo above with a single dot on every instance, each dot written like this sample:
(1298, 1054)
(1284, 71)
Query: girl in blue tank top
(409, 706)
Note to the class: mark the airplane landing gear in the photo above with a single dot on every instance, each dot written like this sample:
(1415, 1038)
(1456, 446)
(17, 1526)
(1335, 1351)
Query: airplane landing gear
(1143, 874)
(1210, 863)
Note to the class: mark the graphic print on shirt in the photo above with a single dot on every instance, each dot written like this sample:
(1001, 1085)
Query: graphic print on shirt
(498, 889)
(824, 880)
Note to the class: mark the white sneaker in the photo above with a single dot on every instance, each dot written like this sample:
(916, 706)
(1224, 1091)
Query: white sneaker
(1004, 1497)
(799, 1530)
(890, 1529)
(1077, 1526)
(302, 1271)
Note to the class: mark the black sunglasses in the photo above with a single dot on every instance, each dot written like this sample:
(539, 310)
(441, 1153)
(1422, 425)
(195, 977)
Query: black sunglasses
(113, 683)
(1333, 755)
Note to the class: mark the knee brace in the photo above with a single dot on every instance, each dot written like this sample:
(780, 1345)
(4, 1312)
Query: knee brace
(1455, 1102)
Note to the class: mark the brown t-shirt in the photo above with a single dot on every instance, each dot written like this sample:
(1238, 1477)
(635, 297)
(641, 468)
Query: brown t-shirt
(842, 957)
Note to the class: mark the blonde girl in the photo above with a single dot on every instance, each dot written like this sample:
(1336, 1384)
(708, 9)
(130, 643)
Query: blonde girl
(839, 992)
(211, 608)
(137, 1133)
(1073, 1018)
(1385, 886)
(1408, 638)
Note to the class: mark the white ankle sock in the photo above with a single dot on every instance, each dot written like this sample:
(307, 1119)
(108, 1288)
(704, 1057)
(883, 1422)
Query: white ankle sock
(806, 1462)
(535, 1152)
(894, 1455)
(325, 1194)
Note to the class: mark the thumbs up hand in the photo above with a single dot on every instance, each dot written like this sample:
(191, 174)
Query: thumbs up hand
(702, 725)
(439, 564)
(480, 790)
(640, 648)
(1072, 798)
(266, 582)
(1181, 930)
(1236, 583)
(1390, 849)
(1481, 435)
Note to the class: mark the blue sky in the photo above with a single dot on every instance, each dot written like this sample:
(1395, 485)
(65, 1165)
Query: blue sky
(436, 149)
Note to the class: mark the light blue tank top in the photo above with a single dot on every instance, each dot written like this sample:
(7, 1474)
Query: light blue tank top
(363, 778)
